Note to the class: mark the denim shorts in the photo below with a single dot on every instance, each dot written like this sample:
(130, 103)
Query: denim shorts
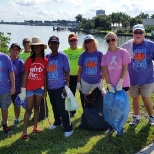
(5, 100)
(38, 92)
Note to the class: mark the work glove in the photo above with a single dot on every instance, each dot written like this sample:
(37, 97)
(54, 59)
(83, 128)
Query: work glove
(79, 86)
(110, 88)
(119, 85)
(22, 95)
(101, 84)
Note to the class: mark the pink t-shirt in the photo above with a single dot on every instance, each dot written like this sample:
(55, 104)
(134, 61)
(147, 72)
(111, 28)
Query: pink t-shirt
(114, 62)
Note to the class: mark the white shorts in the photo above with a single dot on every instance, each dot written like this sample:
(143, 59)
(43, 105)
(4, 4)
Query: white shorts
(86, 88)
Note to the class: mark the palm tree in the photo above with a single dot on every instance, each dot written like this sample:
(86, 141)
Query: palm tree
(144, 15)
(79, 18)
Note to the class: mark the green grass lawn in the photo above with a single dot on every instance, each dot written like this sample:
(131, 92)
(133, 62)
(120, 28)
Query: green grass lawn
(81, 142)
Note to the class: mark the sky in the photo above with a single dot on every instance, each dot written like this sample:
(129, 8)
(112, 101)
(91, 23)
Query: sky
(20, 10)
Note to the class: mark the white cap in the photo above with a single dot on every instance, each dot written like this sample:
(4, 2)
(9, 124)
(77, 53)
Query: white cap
(138, 26)
(86, 37)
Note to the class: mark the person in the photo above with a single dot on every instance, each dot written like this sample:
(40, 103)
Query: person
(57, 77)
(27, 51)
(7, 88)
(140, 70)
(34, 83)
(115, 68)
(73, 52)
(18, 66)
(89, 74)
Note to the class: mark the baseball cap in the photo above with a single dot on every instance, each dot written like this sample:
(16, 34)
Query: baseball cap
(53, 39)
(86, 37)
(15, 45)
(138, 26)
(72, 36)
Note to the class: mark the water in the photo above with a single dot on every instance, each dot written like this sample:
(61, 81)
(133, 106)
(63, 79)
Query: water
(18, 32)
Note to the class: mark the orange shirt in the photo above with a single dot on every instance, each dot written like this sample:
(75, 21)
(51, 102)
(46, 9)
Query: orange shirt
(36, 73)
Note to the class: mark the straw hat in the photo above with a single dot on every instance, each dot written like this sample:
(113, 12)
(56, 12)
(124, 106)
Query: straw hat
(37, 41)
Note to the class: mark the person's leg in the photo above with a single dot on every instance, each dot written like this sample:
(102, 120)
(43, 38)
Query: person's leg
(52, 97)
(82, 100)
(4, 116)
(72, 86)
(148, 105)
(60, 104)
(29, 106)
(37, 101)
(134, 92)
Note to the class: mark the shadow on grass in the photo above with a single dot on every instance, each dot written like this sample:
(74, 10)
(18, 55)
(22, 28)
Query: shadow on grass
(131, 142)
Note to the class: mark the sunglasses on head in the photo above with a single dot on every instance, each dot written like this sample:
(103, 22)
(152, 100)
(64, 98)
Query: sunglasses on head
(112, 40)
(138, 32)
(73, 40)
(88, 41)
(26, 42)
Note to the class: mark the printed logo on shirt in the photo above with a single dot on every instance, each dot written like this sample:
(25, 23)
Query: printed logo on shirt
(35, 72)
(139, 59)
(113, 64)
(91, 66)
(1, 76)
(52, 70)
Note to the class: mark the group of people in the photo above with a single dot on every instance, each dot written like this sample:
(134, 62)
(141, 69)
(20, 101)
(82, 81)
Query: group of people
(128, 67)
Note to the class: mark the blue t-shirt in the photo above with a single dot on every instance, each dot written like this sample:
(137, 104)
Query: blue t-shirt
(18, 66)
(6, 68)
(91, 63)
(56, 68)
(141, 66)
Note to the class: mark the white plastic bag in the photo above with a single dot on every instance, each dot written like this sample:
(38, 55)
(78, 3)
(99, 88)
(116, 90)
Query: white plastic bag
(70, 102)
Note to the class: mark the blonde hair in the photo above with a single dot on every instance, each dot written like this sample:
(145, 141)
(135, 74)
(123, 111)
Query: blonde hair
(95, 45)
(111, 33)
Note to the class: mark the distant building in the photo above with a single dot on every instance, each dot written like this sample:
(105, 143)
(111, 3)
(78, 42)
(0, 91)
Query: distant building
(100, 12)
(148, 22)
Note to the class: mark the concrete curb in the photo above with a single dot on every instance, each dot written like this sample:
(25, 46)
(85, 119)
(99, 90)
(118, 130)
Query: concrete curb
(148, 150)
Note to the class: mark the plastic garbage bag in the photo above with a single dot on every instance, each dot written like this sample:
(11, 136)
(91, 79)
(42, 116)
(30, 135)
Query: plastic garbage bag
(19, 103)
(116, 109)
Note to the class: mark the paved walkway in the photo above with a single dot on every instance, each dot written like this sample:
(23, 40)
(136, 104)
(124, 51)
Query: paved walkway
(147, 150)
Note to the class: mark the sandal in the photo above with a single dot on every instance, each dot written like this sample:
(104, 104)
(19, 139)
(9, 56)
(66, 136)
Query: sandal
(24, 136)
(36, 131)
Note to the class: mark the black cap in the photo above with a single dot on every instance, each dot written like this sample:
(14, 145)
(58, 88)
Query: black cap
(53, 39)
(15, 45)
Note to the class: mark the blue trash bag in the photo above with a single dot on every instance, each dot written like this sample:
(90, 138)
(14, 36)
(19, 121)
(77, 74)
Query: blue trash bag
(19, 103)
(116, 109)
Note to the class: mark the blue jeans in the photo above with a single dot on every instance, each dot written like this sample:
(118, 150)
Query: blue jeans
(38, 92)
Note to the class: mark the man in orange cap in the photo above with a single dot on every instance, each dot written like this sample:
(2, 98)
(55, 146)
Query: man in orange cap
(73, 52)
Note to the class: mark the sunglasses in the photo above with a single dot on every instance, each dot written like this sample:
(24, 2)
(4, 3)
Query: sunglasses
(88, 41)
(140, 32)
(26, 42)
(112, 40)
(72, 40)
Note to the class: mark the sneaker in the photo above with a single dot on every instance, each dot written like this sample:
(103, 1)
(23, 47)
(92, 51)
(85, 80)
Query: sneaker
(53, 127)
(151, 120)
(120, 133)
(6, 129)
(67, 134)
(110, 130)
(16, 122)
(135, 121)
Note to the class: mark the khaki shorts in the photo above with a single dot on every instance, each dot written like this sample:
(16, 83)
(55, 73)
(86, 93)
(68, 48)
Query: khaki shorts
(144, 90)
(86, 88)
(5, 100)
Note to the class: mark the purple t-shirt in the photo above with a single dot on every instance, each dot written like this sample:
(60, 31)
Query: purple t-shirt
(6, 68)
(56, 68)
(91, 63)
(141, 66)
(18, 66)
(114, 62)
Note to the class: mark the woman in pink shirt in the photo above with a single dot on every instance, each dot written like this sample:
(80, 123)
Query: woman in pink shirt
(115, 68)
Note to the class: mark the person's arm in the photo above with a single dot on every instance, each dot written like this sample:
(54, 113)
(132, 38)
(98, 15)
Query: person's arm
(124, 71)
(24, 79)
(67, 76)
(12, 79)
(106, 74)
(79, 73)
